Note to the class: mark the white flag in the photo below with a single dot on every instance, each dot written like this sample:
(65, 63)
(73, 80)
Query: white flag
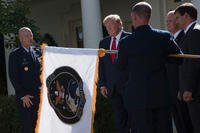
(68, 94)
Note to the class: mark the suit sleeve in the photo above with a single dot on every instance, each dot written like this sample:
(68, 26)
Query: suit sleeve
(14, 75)
(101, 69)
(192, 66)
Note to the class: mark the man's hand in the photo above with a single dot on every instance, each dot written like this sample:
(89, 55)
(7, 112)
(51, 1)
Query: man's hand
(187, 96)
(27, 101)
(104, 91)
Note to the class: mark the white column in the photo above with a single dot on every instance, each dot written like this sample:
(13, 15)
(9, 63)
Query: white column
(8, 41)
(163, 13)
(92, 23)
(197, 4)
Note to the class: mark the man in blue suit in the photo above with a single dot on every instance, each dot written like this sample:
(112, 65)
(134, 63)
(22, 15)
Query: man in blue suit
(143, 55)
(110, 81)
(24, 72)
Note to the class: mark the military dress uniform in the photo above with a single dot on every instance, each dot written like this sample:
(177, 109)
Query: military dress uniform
(24, 73)
(146, 95)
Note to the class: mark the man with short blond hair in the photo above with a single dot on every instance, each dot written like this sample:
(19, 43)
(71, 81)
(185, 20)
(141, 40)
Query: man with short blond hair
(143, 55)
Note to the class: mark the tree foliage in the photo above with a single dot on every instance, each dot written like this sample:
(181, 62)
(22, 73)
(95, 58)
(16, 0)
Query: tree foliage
(14, 15)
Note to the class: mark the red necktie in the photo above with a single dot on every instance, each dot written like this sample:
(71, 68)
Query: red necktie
(113, 47)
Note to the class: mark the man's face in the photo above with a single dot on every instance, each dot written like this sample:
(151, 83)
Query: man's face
(113, 28)
(26, 38)
(180, 20)
(171, 23)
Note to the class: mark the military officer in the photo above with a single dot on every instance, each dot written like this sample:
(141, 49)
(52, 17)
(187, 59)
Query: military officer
(24, 73)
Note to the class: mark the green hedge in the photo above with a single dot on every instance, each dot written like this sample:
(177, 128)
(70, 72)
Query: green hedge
(3, 90)
(104, 116)
(9, 119)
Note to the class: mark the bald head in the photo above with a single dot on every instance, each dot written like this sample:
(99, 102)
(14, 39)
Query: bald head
(25, 37)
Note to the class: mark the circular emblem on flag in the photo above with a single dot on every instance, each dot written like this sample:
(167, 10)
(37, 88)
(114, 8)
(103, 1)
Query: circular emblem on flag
(65, 94)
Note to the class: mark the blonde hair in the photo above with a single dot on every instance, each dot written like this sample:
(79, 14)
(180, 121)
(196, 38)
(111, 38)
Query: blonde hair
(113, 18)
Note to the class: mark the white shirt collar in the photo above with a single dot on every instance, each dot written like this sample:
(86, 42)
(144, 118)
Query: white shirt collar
(187, 28)
(176, 34)
(118, 36)
(117, 39)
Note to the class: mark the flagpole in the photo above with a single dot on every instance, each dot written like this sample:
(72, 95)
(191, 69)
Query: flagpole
(102, 53)
(185, 56)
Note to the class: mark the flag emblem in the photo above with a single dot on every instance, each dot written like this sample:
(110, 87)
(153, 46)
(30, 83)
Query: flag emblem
(65, 94)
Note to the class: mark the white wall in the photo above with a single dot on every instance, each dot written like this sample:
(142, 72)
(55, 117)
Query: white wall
(50, 17)
(197, 4)
(120, 7)
(55, 17)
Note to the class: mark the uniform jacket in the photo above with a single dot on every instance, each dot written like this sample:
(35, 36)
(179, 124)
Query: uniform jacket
(24, 71)
(144, 55)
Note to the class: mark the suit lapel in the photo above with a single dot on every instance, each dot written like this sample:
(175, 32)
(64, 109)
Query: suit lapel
(122, 35)
(107, 47)
(189, 30)
(179, 37)
(183, 40)
(33, 54)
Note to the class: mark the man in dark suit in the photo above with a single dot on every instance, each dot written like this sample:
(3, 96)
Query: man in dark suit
(189, 71)
(24, 72)
(179, 110)
(110, 81)
(143, 54)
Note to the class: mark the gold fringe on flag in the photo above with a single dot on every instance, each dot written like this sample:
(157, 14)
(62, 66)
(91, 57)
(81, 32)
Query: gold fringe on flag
(41, 90)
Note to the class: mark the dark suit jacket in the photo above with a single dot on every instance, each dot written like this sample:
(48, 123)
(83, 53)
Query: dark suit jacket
(24, 71)
(190, 69)
(173, 72)
(144, 54)
(108, 76)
